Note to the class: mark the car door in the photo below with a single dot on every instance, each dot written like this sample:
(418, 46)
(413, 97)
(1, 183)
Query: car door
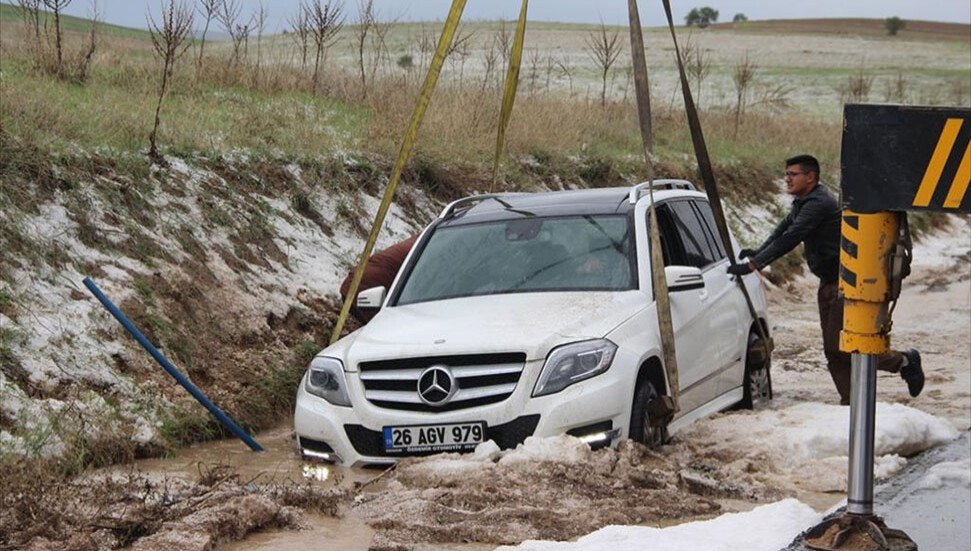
(696, 352)
(730, 315)
(725, 320)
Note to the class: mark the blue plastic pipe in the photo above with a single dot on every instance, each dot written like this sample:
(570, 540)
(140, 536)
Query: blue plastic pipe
(196, 393)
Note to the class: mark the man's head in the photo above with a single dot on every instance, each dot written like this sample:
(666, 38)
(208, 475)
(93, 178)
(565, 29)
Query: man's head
(802, 174)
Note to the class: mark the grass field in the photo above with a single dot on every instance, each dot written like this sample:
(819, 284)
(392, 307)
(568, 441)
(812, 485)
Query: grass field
(10, 13)
(804, 72)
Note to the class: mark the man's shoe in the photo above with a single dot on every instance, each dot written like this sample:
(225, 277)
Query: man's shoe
(913, 373)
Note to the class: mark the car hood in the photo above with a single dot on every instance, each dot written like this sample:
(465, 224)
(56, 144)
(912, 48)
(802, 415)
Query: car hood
(532, 323)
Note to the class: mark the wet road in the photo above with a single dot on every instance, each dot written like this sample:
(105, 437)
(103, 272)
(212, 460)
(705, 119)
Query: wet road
(936, 518)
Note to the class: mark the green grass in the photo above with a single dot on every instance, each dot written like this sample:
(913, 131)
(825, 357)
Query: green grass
(109, 114)
(11, 13)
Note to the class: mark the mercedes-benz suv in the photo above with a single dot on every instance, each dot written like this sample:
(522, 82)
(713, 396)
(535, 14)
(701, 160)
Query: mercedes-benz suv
(533, 314)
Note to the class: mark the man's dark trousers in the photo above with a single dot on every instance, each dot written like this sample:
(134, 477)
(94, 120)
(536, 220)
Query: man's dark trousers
(831, 320)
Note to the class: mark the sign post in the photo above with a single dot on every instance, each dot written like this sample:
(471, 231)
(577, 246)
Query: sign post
(895, 159)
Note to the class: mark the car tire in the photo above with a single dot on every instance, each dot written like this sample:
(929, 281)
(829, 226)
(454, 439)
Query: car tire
(757, 382)
(641, 429)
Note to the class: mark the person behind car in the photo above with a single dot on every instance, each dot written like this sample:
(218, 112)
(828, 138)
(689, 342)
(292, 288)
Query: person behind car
(814, 220)
(380, 271)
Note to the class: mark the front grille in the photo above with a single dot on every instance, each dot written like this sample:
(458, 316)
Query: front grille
(506, 436)
(480, 379)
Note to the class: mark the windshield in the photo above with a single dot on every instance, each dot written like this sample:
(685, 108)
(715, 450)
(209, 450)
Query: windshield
(570, 253)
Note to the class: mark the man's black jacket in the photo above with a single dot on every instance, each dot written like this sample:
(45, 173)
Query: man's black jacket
(815, 221)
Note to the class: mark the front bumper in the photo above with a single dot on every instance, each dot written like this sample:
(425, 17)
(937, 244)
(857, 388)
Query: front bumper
(354, 435)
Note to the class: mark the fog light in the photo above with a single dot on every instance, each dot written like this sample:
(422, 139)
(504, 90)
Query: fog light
(329, 457)
(600, 437)
(597, 435)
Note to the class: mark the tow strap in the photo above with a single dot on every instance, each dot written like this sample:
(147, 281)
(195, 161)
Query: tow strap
(663, 410)
(509, 93)
(444, 43)
(708, 176)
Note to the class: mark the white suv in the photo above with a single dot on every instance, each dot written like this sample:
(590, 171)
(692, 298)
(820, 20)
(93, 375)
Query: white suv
(533, 314)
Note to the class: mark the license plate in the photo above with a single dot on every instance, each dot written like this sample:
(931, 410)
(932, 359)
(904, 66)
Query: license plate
(433, 438)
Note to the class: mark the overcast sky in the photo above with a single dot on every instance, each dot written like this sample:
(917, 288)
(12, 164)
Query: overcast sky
(132, 12)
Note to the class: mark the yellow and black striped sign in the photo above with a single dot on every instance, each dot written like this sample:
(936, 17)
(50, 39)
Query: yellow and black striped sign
(897, 158)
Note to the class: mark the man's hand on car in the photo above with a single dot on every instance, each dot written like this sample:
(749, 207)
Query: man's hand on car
(741, 269)
(746, 253)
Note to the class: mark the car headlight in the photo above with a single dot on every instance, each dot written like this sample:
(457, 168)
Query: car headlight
(573, 363)
(325, 378)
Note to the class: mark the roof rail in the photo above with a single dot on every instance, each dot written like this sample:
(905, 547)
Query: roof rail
(451, 207)
(635, 191)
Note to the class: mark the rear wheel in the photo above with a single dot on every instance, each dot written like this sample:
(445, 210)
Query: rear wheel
(641, 428)
(758, 379)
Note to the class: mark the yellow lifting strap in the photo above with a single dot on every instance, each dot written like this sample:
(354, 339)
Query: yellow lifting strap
(660, 284)
(509, 93)
(708, 176)
(444, 43)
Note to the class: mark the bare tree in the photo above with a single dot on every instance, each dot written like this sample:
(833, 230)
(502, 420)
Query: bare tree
(30, 12)
(489, 59)
(550, 64)
(503, 42)
(534, 58)
(169, 41)
(326, 20)
(896, 90)
(365, 21)
(260, 22)
(460, 49)
(379, 42)
(300, 26)
(697, 64)
(84, 63)
(229, 17)
(426, 45)
(857, 87)
(371, 30)
(566, 70)
(603, 47)
(208, 10)
(57, 6)
(743, 74)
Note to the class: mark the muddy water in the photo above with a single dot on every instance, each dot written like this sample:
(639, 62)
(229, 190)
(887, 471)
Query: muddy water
(277, 463)
(280, 462)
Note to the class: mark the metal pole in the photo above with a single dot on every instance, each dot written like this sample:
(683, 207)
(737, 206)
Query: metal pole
(179, 377)
(863, 397)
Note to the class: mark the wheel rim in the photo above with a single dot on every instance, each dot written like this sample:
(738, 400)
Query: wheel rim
(759, 386)
(651, 435)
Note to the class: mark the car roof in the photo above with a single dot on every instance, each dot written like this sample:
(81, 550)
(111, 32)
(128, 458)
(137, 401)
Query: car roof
(596, 201)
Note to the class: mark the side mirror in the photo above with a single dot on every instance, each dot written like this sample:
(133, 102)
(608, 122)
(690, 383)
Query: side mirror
(371, 298)
(683, 278)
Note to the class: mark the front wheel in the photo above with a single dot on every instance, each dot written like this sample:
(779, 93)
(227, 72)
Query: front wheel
(757, 390)
(641, 428)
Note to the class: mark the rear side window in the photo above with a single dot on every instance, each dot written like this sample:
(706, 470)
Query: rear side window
(695, 241)
(708, 218)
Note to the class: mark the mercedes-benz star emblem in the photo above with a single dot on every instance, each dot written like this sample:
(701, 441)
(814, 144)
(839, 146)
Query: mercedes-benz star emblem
(436, 385)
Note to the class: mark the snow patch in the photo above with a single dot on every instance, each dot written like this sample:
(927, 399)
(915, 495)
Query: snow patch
(943, 249)
(766, 528)
(806, 444)
(817, 431)
(558, 449)
(948, 473)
